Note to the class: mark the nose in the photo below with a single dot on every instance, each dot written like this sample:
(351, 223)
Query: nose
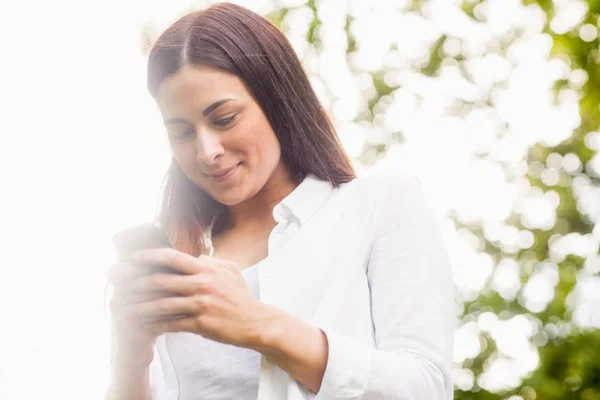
(208, 147)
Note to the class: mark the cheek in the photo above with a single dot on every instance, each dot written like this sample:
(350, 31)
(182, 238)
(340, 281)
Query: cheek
(183, 153)
(185, 157)
(256, 138)
(264, 150)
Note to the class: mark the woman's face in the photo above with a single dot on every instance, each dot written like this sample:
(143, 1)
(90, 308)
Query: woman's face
(218, 133)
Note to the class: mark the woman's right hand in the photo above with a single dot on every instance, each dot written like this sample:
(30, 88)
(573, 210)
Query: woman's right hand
(134, 340)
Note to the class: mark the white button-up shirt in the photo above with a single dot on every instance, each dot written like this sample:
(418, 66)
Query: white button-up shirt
(364, 262)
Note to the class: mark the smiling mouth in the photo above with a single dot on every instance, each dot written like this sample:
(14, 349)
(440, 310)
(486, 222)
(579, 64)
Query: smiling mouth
(224, 175)
(219, 174)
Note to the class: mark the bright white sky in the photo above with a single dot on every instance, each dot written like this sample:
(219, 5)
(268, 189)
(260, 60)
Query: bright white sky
(83, 154)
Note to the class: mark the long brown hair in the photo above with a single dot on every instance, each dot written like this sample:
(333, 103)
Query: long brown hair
(236, 40)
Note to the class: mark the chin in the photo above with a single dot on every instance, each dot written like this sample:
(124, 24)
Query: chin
(231, 197)
(229, 201)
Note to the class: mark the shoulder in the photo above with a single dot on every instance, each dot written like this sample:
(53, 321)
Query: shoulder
(383, 185)
(390, 198)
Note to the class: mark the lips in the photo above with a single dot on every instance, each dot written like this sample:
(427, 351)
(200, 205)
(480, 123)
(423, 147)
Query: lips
(221, 173)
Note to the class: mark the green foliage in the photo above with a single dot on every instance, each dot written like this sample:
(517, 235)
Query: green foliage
(569, 368)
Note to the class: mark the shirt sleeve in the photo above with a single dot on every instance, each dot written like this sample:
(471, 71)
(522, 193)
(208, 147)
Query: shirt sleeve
(412, 300)
(163, 380)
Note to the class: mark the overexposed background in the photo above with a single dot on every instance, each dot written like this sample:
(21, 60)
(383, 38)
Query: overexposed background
(83, 152)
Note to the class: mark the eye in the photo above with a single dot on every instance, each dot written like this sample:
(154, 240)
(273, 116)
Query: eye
(225, 121)
(181, 135)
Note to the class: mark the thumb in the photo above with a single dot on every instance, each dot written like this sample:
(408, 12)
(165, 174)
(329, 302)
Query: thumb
(230, 265)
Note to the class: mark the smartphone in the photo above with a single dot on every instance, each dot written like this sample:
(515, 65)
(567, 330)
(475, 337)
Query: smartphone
(141, 237)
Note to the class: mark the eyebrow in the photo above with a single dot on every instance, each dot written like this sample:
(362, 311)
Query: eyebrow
(205, 113)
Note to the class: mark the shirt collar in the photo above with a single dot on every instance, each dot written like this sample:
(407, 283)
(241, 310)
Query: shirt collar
(304, 201)
(300, 204)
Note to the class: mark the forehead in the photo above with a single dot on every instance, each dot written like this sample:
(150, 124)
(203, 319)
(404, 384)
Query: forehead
(195, 86)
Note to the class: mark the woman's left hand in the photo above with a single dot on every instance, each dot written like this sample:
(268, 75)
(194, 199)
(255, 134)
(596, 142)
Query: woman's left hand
(211, 294)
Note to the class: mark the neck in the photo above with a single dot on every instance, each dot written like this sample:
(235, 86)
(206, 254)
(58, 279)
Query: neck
(256, 213)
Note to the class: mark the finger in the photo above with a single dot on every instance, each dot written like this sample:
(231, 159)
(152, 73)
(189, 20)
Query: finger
(121, 301)
(179, 284)
(124, 271)
(144, 297)
(163, 306)
(148, 319)
(231, 266)
(116, 272)
(177, 260)
(227, 265)
(182, 324)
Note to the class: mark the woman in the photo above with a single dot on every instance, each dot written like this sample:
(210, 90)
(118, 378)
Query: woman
(296, 279)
